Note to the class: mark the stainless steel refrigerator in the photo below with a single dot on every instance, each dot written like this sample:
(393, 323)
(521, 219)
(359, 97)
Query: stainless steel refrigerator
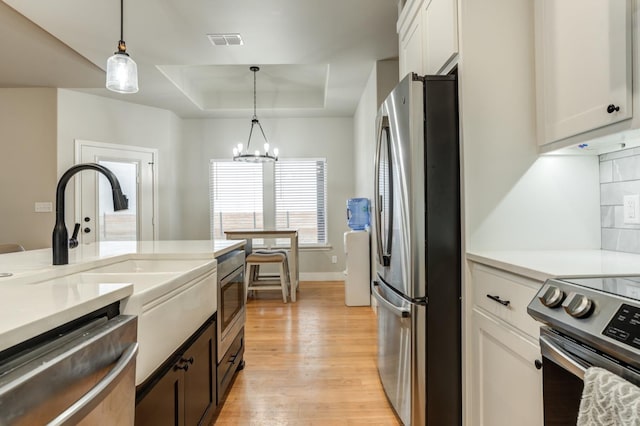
(418, 267)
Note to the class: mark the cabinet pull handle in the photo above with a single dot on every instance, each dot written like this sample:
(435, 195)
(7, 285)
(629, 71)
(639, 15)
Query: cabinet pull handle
(538, 364)
(612, 108)
(500, 301)
(184, 367)
(190, 360)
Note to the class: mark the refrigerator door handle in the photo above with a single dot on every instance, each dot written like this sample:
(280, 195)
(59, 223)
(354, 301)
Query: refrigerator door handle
(383, 255)
(396, 310)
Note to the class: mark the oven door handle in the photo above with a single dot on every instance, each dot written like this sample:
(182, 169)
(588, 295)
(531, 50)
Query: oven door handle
(558, 355)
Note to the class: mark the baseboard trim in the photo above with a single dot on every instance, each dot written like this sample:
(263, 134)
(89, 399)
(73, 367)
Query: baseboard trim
(321, 276)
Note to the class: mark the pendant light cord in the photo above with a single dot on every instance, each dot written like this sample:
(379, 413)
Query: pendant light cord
(121, 20)
(254, 94)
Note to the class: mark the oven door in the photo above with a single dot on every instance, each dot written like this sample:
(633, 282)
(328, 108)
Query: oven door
(564, 364)
(231, 309)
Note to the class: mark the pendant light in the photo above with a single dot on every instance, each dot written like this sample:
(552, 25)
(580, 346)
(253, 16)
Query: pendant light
(246, 155)
(122, 71)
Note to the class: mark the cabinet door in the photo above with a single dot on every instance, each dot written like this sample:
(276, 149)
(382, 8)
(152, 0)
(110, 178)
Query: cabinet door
(164, 403)
(440, 34)
(411, 47)
(507, 387)
(200, 379)
(583, 65)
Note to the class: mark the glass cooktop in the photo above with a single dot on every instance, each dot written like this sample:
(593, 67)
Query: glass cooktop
(620, 286)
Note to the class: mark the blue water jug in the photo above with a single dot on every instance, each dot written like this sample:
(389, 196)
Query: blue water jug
(358, 213)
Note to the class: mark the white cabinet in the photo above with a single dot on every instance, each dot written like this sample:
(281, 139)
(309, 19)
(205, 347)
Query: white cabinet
(441, 34)
(428, 36)
(410, 38)
(507, 387)
(504, 386)
(583, 66)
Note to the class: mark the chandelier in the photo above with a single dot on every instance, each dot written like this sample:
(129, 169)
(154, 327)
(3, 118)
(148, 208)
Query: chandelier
(246, 155)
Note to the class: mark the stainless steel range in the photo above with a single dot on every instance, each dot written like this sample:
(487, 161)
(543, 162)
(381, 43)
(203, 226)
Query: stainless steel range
(589, 322)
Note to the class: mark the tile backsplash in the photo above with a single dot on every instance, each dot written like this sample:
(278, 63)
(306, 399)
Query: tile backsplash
(619, 176)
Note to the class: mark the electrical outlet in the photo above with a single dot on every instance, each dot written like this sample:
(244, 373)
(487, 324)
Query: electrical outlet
(43, 206)
(631, 207)
(334, 259)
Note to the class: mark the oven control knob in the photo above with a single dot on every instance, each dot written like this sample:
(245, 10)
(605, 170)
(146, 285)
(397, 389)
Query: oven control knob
(551, 296)
(578, 305)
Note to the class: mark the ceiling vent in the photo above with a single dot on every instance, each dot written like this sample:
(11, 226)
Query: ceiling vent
(230, 39)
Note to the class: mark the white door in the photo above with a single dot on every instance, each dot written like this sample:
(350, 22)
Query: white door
(134, 168)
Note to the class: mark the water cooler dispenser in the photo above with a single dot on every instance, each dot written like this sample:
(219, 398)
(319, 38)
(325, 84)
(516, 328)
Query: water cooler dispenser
(356, 247)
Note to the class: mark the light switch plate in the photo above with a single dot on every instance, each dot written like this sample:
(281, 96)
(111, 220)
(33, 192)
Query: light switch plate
(631, 207)
(43, 207)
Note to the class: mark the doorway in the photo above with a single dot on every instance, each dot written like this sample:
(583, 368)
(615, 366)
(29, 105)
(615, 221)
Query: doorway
(135, 168)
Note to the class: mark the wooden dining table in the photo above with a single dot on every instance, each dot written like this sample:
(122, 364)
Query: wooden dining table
(291, 234)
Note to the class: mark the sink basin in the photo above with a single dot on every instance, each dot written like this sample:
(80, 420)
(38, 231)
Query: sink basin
(149, 265)
(171, 297)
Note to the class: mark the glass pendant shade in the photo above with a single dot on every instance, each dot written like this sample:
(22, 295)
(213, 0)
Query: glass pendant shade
(122, 73)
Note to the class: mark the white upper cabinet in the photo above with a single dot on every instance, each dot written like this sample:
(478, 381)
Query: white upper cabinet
(411, 57)
(428, 36)
(583, 66)
(441, 35)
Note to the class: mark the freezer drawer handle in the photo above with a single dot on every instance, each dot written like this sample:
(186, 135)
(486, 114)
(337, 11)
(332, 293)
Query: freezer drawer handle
(91, 399)
(403, 313)
(500, 301)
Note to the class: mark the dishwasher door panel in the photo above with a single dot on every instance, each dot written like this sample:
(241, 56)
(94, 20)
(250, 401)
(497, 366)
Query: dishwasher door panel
(84, 377)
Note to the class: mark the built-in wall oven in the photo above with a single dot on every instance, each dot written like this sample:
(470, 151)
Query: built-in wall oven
(590, 322)
(231, 317)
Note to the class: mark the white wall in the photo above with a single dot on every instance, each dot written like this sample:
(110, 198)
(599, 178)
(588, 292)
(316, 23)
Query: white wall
(383, 78)
(331, 138)
(27, 165)
(513, 198)
(95, 118)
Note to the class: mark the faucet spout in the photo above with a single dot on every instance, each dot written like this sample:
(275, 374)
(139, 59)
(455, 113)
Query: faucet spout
(60, 238)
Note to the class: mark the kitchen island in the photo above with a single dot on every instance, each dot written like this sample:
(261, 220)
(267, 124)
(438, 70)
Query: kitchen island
(170, 286)
(38, 296)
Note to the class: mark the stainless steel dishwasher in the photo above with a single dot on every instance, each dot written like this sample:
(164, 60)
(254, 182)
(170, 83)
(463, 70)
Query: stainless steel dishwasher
(84, 374)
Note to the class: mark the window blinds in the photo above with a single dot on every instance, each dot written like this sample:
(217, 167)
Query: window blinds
(300, 198)
(235, 193)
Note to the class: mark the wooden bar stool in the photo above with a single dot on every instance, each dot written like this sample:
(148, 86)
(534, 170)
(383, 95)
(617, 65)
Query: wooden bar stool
(254, 281)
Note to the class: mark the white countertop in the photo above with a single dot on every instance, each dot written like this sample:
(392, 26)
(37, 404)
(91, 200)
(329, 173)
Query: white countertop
(38, 297)
(543, 264)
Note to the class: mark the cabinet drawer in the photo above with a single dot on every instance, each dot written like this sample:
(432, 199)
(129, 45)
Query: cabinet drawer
(510, 295)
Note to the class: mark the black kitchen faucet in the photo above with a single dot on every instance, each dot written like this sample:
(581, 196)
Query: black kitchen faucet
(60, 239)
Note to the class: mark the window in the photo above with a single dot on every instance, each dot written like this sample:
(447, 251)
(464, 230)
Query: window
(287, 194)
(235, 193)
(300, 187)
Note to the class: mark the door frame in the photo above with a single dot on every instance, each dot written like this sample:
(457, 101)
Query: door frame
(80, 143)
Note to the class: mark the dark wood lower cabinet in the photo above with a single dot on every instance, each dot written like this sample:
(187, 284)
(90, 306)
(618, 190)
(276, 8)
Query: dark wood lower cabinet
(183, 390)
(232, 361)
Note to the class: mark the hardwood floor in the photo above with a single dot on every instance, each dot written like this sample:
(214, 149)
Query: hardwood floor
(312, 362)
